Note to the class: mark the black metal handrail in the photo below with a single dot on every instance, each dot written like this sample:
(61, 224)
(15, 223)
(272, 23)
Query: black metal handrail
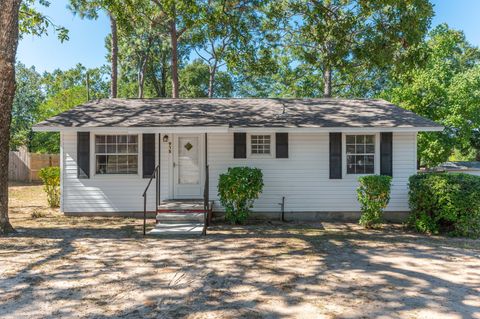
(206, 191)
(155, 175)
(206, 200)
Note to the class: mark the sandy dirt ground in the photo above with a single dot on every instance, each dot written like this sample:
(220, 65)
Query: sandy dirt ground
(70, 267)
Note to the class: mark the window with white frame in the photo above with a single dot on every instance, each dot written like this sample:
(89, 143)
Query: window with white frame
(260, 144)
(116, 154)
(360, 154)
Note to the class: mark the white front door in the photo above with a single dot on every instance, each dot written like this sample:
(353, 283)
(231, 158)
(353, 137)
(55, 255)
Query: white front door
(188, 166)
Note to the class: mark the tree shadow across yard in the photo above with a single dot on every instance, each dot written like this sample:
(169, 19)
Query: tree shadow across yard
(345, 267)
(257, 271)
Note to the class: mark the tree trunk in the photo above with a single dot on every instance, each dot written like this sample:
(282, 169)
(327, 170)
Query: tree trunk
(158, 81)
(8, 49)
(87, 85)
(327, 82)
(114, 56)
(174, 40)
(154, 80)
(141, 81)
(211, 80)
(141, 76)
(163, 88)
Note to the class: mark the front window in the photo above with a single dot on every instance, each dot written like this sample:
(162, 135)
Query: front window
(260, 144)
(116, 154)
(360, 154)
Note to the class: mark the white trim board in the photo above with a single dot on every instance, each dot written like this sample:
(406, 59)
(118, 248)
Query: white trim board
(376, 163)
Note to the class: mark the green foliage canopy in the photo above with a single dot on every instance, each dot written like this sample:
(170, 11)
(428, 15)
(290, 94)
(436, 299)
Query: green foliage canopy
(28, 96)
(39, 97)
(446, 89)
(194, 81)
(334, 37)
(49, 142)
(32, 21)
(445, 203)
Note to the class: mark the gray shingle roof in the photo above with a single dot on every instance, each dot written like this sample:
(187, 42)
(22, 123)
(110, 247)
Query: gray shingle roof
(238, 113)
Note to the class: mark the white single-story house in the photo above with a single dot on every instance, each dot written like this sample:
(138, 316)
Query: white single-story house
(311, 152)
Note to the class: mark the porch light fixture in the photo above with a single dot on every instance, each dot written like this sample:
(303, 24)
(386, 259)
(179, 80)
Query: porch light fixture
(165, 138)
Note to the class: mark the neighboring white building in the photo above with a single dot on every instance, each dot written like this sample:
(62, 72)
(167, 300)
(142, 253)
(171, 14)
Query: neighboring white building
(311, 151)
(472, 168)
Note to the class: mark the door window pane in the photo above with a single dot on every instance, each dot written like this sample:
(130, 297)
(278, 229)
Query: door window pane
(188, 160)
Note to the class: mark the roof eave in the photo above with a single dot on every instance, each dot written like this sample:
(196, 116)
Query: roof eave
(340, 129)
(225, 129)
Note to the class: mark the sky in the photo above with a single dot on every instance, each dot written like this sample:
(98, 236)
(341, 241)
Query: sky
(87, 37)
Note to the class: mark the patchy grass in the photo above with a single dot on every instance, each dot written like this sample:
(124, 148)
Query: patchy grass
(59, 266)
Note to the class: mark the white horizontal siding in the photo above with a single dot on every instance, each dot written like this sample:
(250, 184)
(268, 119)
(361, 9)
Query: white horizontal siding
(116, 193)
(303, 178)
(404, 165)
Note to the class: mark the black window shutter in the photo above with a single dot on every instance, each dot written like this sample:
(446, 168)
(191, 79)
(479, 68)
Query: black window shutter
(148, 154)
(335, 155)
(386, 153)
(281, 145)
(83, 155)
(239, 145)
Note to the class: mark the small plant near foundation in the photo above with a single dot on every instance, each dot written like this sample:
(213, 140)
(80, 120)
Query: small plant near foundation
(37, 214)
(373, 195)
(50, 177)
(238, 188)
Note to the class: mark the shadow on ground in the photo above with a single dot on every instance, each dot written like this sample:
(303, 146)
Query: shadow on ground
(258, 271)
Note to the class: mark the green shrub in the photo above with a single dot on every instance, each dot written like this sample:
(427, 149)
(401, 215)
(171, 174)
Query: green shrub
(447, 203)
(50, 177)
(238, 188)
(373, 195)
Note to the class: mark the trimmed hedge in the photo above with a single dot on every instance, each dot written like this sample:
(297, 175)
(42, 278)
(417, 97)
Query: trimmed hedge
(373, 196)
(238, 188)
(445, 203)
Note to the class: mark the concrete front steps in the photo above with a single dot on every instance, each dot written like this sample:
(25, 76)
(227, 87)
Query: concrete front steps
(179, 217)
(190, 228)
(178, 223)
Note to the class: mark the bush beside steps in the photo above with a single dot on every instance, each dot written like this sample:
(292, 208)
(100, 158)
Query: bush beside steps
(238, 188)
